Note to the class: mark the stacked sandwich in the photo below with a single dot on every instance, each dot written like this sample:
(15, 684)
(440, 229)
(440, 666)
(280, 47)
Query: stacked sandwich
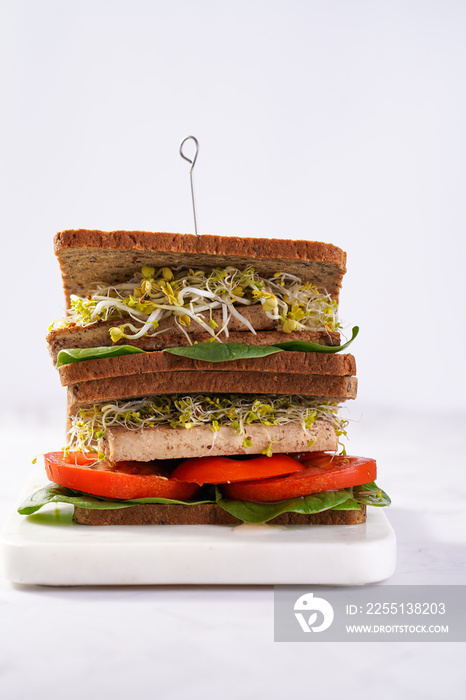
(204, 382)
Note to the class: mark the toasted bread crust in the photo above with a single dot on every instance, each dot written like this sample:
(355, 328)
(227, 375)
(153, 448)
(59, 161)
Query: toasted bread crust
(87, 257)
(212, 382)
(206, 514)
(283, 362)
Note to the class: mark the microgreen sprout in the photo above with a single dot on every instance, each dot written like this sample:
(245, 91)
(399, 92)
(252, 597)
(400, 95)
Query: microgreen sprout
(268, 451)
(154, 295)
(177, 411)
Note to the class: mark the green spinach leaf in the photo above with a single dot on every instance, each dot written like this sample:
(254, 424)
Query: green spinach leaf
(223, 352)
(371, 495)
(65, 357)
(53, 493)
(253, 512)
(304, 346)
(248, 511)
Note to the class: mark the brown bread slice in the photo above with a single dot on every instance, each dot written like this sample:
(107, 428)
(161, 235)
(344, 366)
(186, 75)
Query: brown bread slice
(143, 445)
(206, 514)
(97, 335)
(212, 382)
(99, 332)
(87, 257)
(282, 362)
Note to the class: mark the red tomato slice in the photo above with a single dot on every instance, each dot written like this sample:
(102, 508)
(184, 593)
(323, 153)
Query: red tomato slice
(324, 472)
(221, 470)
(122, 480)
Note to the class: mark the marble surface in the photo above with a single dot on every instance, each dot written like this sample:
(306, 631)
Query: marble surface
(190, 641)
(49, 548)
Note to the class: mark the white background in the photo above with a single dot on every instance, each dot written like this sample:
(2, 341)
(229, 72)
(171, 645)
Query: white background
(328, 120)
(340, 121)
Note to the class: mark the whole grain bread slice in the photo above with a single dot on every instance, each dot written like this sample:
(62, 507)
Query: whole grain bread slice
(206, 514)
(99, 332)
(211, 382)
(97, 335)
(88, 257)
(151, 362)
